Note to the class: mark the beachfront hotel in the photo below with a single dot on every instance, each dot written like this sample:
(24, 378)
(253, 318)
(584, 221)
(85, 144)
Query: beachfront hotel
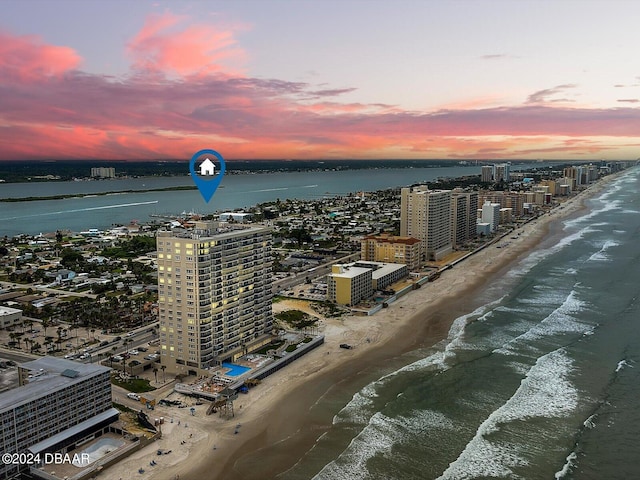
(350, 283)
(426, 215)
(391, 248)
(214, 295)
(58, 405)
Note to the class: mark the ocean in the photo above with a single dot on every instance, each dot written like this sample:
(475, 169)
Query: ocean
(540, 382)
(237, 191)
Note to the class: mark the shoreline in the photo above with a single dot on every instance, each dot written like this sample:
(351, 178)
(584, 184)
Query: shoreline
(276, 426)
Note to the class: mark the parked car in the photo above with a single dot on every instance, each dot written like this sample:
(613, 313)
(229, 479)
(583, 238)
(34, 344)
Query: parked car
(133, 396)
(117, 358)
(133, 352)
(143, 349)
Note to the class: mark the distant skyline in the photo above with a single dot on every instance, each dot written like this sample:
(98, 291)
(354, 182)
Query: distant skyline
(319, 79)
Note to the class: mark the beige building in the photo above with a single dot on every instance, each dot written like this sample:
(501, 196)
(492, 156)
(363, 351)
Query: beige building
(513, 200)
(391, 248)
(426, 215)
(348, 284)
(214, 294)
(464, 206)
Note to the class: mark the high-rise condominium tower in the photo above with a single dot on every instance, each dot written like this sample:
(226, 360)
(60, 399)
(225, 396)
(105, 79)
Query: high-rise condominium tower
(214, 295)
(426, 215)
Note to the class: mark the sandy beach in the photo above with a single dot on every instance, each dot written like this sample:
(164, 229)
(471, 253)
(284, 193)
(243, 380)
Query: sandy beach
(271, 428)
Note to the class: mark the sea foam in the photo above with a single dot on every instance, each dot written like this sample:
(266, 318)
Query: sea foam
(545, 392)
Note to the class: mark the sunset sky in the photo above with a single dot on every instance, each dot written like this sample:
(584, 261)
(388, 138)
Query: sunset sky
(320, 79)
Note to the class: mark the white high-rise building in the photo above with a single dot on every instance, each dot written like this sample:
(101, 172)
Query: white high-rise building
(501, 172)
(426, 215)
(491, 214)
(214, 295)
(103, 172)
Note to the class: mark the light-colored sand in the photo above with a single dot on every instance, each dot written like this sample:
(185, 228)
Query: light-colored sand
(364, 333)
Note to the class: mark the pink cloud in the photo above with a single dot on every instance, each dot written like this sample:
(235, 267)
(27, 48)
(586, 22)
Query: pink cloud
(165, 45)
(181, 97)
(28, 59)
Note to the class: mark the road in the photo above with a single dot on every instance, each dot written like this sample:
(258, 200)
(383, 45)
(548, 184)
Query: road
(16, 356)
(40, 288)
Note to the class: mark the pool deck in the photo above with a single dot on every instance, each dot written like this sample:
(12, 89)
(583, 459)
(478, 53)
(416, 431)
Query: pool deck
(67, 470)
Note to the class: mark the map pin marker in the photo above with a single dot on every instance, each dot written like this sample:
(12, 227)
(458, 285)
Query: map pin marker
(208, 174)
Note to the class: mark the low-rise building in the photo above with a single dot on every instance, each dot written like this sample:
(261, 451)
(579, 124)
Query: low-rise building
(348, 284)
(58, 405)
(351, 283)
(10, 317)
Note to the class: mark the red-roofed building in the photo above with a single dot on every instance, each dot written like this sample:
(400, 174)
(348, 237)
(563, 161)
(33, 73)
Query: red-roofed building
(391, 248)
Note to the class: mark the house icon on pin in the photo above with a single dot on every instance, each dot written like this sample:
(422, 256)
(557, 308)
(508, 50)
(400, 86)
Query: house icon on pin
(207, 168)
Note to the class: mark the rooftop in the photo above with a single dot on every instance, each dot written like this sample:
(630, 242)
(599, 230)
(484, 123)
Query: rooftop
(349, 271)
(9, 311)
(50, 374)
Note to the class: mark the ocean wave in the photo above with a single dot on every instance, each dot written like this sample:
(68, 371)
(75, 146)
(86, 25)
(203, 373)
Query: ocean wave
(601, 255)
(361, 406)
(590, 422)
(622, 364)
(545, 392)
(560, 320)
(378, 438)
(537, 256)
(566, 468)
(607, 207)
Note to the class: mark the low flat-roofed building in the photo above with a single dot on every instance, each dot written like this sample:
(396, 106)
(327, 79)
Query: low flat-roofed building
(58, 404)
(240, 217)
(9, 316)
(384, 274)
(350, 283)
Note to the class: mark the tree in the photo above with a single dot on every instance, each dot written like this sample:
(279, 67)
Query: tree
(45, 324)
(70, 258)
(163, 368)
(155, 372)
(59, 332)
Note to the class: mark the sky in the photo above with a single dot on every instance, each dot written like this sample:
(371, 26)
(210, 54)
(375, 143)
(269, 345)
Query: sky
(475, 79)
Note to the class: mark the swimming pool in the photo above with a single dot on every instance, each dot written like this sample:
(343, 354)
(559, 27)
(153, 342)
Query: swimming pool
(100, 449)
(235, 370)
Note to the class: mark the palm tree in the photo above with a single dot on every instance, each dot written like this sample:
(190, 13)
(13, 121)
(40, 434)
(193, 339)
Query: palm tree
(45, 325)
(155, 372)
(93, 331)
(163, 368)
